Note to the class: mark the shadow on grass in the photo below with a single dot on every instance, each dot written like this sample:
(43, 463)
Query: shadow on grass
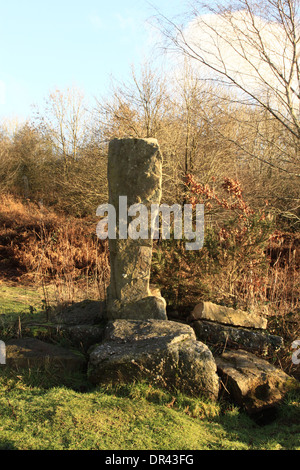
(7, 445)
(44, 378)
(276, 428)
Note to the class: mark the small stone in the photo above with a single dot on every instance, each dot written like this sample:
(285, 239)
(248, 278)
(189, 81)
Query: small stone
(252, 382)
(31, 352)
(256, 341)
(229, 316)
(81, 313)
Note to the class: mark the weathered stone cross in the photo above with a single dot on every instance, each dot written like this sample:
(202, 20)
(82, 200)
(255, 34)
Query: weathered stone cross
(134, 171)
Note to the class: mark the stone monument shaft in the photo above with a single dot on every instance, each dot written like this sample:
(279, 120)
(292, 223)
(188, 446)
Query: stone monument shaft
(134, 171)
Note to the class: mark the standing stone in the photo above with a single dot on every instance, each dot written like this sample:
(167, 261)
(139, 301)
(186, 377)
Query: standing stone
(134, 171)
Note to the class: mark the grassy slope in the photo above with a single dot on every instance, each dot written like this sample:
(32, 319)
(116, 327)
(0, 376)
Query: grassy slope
(40, 411)
(135, 416)
(18, 299)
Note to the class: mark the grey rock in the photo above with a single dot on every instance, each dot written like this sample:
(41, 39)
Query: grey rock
(149, 307)
(163, 352)
(252, 382)
(31, 352)
(83, 336)
(132, 331)
(227, 315)
(259, 341)
(87, 312)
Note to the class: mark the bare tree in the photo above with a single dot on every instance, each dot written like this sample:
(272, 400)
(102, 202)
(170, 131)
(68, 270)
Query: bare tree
(8, 166)
(251, 48)
(63, 121)
(136, 109)
(181, 113)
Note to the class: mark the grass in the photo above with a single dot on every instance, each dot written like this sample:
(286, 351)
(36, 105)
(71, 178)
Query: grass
(19, 307)
(19, 299)
(41, 410)
(36, 414)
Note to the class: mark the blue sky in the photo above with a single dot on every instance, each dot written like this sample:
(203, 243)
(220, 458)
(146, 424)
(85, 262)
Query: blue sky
(47, 45)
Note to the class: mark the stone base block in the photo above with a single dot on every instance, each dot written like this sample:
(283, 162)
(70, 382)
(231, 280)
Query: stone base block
(163, 352)
(151, 307)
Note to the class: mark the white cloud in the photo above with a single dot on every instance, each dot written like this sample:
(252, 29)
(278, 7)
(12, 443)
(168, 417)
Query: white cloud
(232, 47)
(126, 22)
(96, 21)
